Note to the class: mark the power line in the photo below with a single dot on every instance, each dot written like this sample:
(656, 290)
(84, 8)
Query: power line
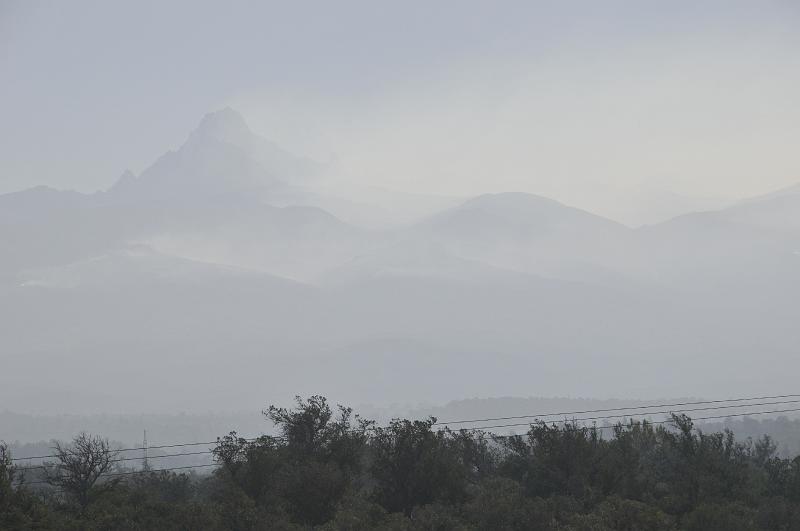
(181, 445)
(205, 452)
(132, 472)
(30, 467)
(160, 469)
(750, 413)
(697, 403)
(603, 417)
(565, 421)
(479, 428)
(174, 445)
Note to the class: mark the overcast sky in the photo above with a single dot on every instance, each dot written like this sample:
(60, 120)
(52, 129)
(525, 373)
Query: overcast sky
(589, 102)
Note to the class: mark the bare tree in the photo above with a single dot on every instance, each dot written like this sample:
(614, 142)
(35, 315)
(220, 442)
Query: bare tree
(7, 473)
(79, 466)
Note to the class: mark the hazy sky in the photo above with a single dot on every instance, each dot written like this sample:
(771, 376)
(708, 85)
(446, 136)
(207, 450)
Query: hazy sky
(594, 103)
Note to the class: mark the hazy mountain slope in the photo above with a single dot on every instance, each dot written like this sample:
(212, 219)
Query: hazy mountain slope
(41, 226)
(364, 206)
(295, 242)
(779, 211)
(187, 334)
(229, 126)
(177, 281)
(221, 157)
(792, 190)
(208, 201)
(527, 233)
(755, 243)
(137, 316)
(34, 202)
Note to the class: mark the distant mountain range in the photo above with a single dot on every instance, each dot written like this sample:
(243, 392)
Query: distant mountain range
(232, 272)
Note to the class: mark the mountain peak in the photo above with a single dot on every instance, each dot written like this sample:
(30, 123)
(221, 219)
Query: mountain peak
(519, 211)
(511, 200)
(225, 124)
(125, 180)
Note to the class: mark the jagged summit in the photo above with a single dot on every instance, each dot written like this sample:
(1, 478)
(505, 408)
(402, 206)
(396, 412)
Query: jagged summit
(125, 180)
(226, 125)
(225, 116)
(222, 155)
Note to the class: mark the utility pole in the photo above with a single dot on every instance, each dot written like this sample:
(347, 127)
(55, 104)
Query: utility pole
(145, 464)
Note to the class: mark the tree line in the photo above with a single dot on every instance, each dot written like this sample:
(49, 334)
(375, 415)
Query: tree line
(330, 469)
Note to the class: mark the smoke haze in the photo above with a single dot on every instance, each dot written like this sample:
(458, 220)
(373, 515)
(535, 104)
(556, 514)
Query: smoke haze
(208, 209)
(636, 111)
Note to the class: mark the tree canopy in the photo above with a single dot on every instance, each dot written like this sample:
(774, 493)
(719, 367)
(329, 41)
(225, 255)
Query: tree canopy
(329, 469)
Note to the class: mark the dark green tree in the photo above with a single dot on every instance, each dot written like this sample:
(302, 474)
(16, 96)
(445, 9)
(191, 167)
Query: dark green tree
(414, 465)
